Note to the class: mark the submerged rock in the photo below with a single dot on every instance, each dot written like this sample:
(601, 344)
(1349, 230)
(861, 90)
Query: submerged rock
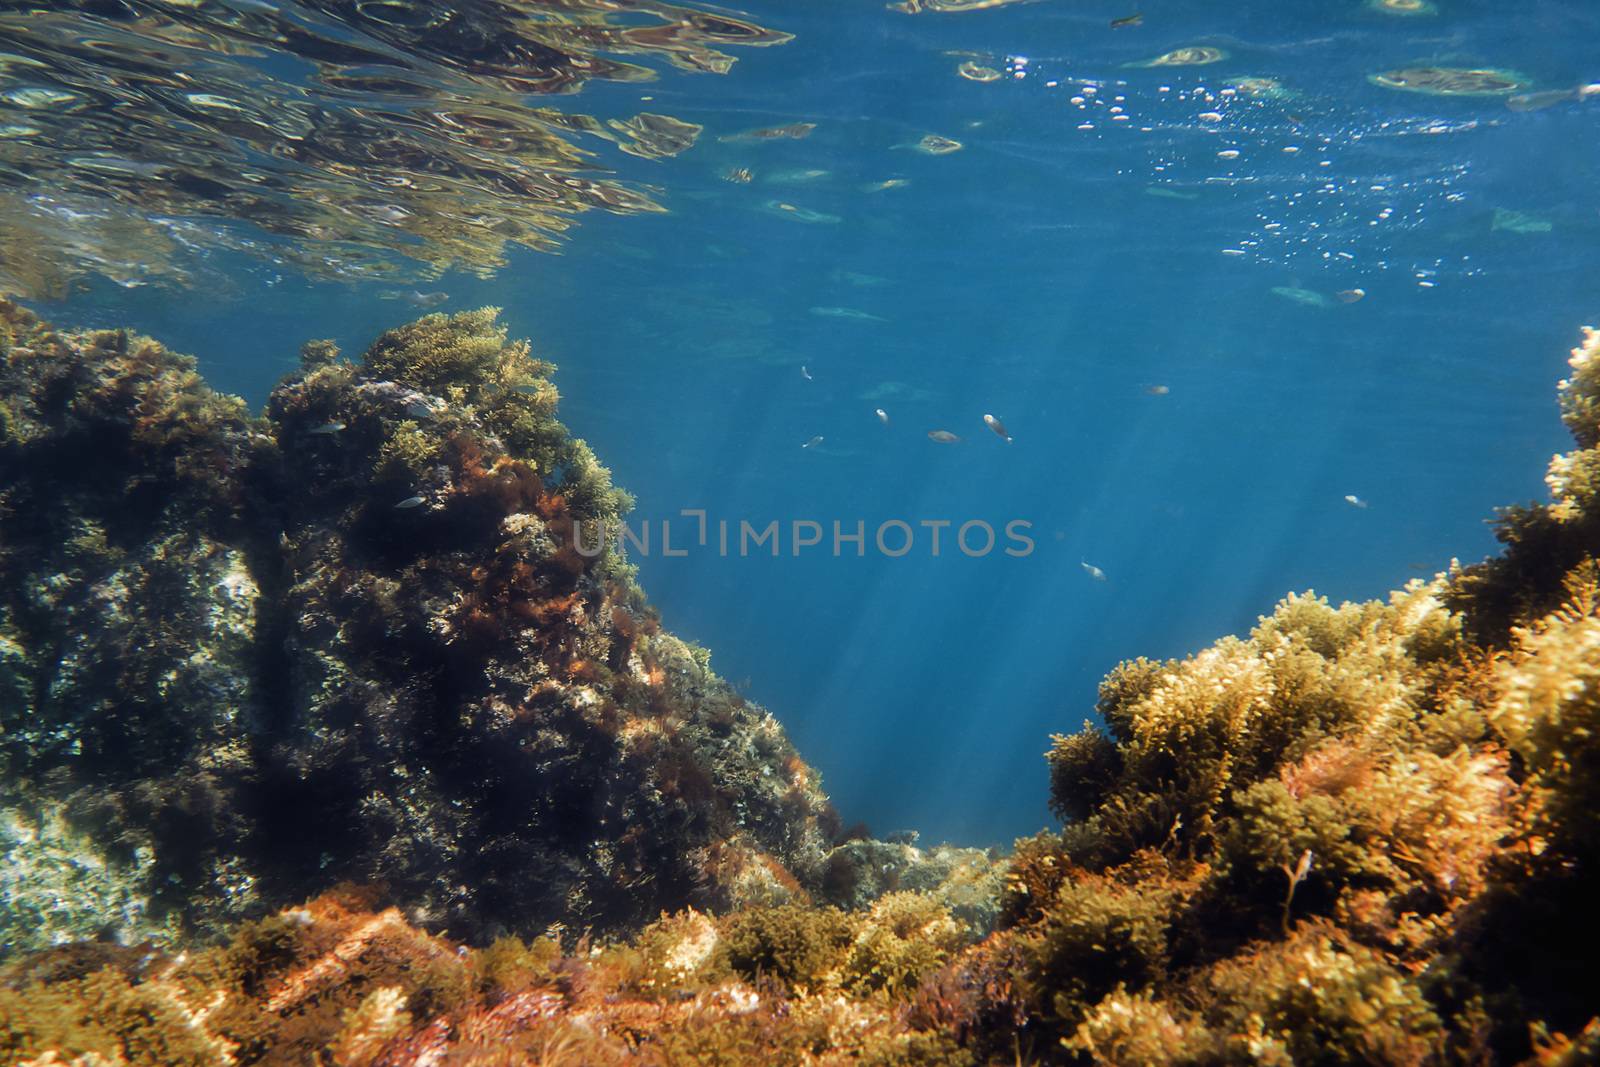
(241, 674)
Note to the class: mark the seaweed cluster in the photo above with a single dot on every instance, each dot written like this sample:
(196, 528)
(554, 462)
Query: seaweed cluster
(244, 658)
(385, 138)
(340, 980)
(1362, 834)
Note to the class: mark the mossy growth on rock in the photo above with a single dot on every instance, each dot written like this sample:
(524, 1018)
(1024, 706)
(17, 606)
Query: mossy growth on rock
(343, 980)
(1284, 845)
(1358, 834)
(357, 638)
(1543, 542)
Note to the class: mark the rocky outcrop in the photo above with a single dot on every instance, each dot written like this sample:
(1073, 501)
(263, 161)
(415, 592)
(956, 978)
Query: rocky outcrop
(357, 639)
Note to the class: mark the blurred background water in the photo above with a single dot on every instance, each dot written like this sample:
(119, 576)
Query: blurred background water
(1158, 324)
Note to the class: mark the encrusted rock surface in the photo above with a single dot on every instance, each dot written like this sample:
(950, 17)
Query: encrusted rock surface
(355, 639)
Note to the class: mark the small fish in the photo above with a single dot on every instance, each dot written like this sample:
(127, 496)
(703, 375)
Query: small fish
(1307, 297)
(424, 300)
(883, 416)
(813, 443)
(409, 502)
(798, 213)
(857, 278)
(1092, 571)
(1354, 501)
(795, 177)
(998, 427)
(1156, 390)
(846, 313)
(943, 437)
(1349, 296)
(886, 184)
(805, 372)
(738, 175)
(794, 131)
(1540, 101)
(1127, 20)
(1518, 222)
(327, 429)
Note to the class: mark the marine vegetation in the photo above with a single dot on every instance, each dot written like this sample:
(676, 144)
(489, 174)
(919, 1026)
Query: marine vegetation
(1358, 834)
(342, 980)
(243, 658)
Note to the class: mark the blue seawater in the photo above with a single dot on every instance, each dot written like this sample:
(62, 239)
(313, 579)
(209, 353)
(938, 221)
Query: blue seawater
(1156, 325)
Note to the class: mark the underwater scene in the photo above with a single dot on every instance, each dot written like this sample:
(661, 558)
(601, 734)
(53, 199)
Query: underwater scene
(942, 532)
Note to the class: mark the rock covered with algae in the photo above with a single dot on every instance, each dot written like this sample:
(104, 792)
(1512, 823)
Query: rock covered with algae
(128, 617)
(242, 658)
(1359, 834)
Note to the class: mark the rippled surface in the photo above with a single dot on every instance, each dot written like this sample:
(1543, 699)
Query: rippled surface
(352, 139)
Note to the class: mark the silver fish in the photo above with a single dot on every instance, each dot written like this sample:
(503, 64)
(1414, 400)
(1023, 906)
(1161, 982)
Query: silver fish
(1094, 572)
(327, 429)
(1539, 101)
(998, 427)
(846, 313)
(1354, 501)
(414, 297)
(883, 416)
(1307, 297)
(943, 437)
(805, 372)
(813, 443)
(800, 214)
(409, 502)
